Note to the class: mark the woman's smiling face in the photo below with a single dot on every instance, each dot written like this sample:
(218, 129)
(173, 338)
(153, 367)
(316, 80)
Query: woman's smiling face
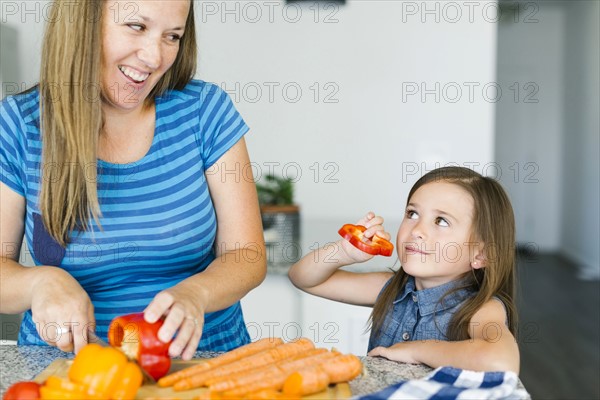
(434, 239)
(140, 41)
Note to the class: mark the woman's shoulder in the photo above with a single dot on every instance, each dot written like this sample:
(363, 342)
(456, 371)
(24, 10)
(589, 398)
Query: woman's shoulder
(195, 90)
(22, 106)
(19, 118)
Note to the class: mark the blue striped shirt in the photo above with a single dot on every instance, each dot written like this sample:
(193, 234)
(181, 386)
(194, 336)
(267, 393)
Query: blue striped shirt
(158, 221)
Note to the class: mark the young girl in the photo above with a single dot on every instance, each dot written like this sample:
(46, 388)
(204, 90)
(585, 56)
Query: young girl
(452, 301)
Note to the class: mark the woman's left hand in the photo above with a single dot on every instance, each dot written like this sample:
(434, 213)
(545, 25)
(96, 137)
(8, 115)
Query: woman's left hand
(183, 315)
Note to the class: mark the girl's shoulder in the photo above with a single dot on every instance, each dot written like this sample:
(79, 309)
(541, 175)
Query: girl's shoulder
(492, 311)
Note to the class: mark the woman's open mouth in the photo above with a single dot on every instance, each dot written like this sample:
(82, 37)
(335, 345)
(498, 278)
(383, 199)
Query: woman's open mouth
(133, 75)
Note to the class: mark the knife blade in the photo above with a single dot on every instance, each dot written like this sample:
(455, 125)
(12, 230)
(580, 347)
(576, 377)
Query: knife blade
(93, 338)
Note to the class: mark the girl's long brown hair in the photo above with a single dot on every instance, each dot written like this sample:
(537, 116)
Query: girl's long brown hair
(71, 111)
(494, 225)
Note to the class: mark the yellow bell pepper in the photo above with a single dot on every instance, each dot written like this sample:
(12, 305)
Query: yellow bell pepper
(106, 373)
(61, 388)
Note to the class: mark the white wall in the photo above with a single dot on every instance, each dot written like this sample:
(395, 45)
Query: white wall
(362, 141)
(581, 157)
(554, 46)
(359, 144)
(9, 66)
(371, 134)
(530, 118)
(27, 19)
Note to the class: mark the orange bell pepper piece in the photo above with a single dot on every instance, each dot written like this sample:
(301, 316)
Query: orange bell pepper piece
(106, 373)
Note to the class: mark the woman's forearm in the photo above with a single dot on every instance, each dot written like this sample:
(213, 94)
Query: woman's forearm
(228, 278)
(17, 285)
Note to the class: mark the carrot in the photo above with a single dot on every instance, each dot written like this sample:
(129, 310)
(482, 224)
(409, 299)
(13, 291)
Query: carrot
(306, 381)
(342, 368)
(269, 382)
(311, 379)
(223, 359)
(208, 396)
(272, 379)
(228, 382)
(264, 395)
(265, 357)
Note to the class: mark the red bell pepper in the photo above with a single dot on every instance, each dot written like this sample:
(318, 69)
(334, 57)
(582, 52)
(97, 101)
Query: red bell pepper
(139, 341)
(374, 246)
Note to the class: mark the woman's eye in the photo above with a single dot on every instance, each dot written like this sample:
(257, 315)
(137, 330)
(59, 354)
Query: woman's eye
(411, 214)
(441, 221)
(136, 27)
(175, 38)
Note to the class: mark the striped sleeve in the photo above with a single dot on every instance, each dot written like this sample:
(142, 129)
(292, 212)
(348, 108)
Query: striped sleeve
(12, 166)
(221, 125)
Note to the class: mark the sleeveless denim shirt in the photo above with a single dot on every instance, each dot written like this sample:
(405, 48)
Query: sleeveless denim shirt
(418, 314)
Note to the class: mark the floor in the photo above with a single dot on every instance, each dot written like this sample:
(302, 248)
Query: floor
(559, 329)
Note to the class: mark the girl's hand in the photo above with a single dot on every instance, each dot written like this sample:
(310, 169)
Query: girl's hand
(61, 310)
(401, 352)
(374, 225)
(183, 314)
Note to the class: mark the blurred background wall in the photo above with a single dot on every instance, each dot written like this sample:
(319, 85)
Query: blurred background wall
(357, 100)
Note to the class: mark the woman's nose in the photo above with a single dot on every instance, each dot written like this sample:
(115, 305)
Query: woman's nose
(150, 54)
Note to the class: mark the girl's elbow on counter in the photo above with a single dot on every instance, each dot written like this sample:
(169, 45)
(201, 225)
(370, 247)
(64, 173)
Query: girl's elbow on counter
(499, 358)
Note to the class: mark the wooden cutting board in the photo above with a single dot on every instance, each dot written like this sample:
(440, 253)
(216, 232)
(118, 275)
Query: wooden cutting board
(60, 367)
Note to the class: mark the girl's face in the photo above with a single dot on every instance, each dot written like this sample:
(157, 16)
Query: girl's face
(140, 41)
(434, 238)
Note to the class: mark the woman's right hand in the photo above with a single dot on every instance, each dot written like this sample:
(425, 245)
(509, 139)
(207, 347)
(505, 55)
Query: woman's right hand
(374, 225)
(61, 309)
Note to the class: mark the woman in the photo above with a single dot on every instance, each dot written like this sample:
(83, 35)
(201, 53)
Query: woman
(117, 168)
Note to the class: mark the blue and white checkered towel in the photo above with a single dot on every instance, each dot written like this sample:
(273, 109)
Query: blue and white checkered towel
(446, 383)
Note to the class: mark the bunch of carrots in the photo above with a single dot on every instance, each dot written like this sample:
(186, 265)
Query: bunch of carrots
(267, 369)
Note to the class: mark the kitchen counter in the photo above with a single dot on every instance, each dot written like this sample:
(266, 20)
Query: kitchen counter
(20, 363)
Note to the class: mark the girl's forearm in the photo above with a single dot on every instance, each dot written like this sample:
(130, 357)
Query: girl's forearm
(318, 266)
(472, 354)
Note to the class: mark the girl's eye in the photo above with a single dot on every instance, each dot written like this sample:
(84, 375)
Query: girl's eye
(136, 27)
(441, 221)
(411, 214)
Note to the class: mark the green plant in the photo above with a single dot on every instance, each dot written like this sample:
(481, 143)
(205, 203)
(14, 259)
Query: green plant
(275, 191)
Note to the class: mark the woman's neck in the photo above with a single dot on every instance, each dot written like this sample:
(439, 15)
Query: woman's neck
(118, 122)
(126, 137)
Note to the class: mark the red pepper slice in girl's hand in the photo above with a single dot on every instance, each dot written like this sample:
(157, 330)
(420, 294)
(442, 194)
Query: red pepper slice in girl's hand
(374, 246)
(138, 339)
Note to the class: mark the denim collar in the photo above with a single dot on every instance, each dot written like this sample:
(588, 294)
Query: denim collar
(428, 299)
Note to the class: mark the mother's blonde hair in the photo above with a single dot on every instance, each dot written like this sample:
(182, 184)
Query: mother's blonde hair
(71, 111)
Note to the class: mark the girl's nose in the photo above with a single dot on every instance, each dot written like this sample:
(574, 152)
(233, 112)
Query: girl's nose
(418, 232)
